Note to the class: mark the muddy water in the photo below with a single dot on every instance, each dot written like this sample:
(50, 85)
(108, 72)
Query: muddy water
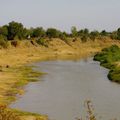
(61, 93)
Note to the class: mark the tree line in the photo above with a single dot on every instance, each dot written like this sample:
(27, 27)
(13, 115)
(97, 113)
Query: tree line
(15, 30)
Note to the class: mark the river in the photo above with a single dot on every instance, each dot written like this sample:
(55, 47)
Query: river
(62, 91)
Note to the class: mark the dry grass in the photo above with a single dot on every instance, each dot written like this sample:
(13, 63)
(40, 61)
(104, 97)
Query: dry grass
(6, 114)
(90, 111)
(12, 59)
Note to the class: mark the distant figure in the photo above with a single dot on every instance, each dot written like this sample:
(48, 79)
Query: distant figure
(28, 37)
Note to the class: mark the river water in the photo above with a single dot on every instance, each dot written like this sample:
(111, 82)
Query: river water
(62, 91)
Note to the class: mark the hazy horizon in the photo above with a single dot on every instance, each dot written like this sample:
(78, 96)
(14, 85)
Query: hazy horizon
(62, 14)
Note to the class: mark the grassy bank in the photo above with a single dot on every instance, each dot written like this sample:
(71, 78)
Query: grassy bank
(110, 58)
(20, 76)
(14, 73)
(13, 114)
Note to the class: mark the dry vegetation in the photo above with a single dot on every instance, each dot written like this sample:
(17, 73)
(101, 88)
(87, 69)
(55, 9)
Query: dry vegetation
(13, 74)
(8, 114)
(90, 111)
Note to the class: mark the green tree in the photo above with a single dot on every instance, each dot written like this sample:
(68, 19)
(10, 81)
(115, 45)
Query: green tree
(4, 30)
(74, 31)
(94, 35)
(83, 34)
(26, 33)
(86, 31)
(63, 36)
(80, 33)
(103, 33)
(38, 32)
(15, 29)
(84, 38)
(3, 42)
(53, 33)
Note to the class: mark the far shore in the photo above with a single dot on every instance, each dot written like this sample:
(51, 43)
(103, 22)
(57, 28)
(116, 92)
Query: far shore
(14, 75)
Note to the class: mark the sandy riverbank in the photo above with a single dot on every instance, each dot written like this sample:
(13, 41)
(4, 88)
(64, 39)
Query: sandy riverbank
(14, 75)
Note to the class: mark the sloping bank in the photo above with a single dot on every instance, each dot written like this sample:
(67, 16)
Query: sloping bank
(110, 58)
(14, 73)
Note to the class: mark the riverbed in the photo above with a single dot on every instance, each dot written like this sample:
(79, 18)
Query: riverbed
(61, 92)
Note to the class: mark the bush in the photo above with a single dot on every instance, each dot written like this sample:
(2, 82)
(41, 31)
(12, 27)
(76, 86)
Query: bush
(3, 42)
(74, 31)
(107, 58)
(53, 33)
(114, 74)
(42, 42)
(94, 35)
(63, 37)
(15, 29)
(4, 30)
(84, 38)
(38, 32)
(104, 33)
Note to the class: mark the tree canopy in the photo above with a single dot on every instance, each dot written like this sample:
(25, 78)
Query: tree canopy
(15, 30)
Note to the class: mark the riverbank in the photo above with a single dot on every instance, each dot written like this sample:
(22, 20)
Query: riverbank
(14, 74)
(110, 58)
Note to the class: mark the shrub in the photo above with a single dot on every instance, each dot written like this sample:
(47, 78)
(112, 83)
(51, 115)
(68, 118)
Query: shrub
(74, 31)
(4, 30)
(3, 42)
(107, 58)
(114, 74)
(42, 42)
(84, 38)
(104, 33)
(53, 33)
(94, 35)
(15, 29)
(38, 32)
(63, 37)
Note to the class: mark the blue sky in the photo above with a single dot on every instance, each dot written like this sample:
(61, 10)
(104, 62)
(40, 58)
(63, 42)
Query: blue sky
(62, 14)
